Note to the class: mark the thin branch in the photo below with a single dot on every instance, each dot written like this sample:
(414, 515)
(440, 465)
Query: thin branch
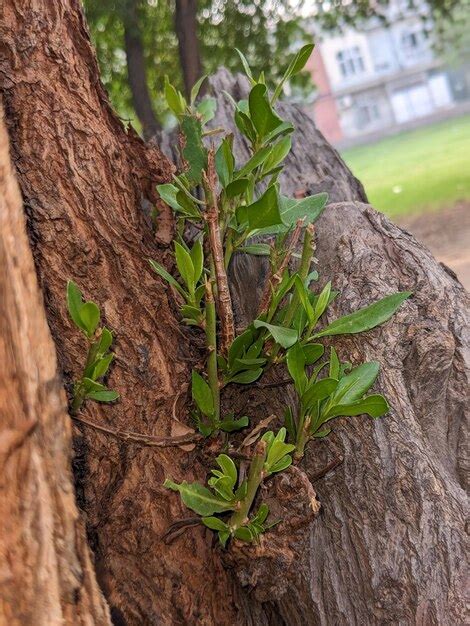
(274, 280)
(224, 299)
(174, 530)
(144, 440)
(327, 469)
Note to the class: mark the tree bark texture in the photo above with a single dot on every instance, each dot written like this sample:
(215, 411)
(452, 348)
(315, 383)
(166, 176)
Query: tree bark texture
(136, 72)
(387, 545)
(188, 43)
(46, 572)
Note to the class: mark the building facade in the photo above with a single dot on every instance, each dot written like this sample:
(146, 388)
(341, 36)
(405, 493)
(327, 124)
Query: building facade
(381, 78)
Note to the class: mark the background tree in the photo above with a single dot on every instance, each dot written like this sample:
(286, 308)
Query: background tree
(184, 38)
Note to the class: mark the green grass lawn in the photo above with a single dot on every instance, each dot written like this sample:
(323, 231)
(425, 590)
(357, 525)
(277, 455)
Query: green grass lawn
(424, 169)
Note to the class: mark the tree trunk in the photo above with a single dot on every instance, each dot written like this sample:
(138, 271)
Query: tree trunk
(136, 72)
(387, 547)
(47, 576)
(188, 43)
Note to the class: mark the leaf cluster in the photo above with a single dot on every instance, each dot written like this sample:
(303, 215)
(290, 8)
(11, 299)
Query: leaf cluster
(86, 316)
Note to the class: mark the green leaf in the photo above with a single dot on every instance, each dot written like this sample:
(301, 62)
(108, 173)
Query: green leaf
(244, 533)
(185, 266)
(90, 316)
(282, 129)
(304, 299)
(312, 352)
(245, 64)
(289, 423)
(255, 161)
(281, 465)
(239, 345)
(334, 364)
(107, 395)
(294, 67)
(106, 340)
(279, 152)
(194, 151)
(187, 206)
(309, 208)
(366, 318)
(321, 303)
(319, 390)
(206, 109)
(161, 271)
(374, 405)
(92, 385)
(296, 367)
(264, 211)
(228, 467)
(285, 337)
(174, 98)
(223, 487)
(261, 515)
(258, 249)
(102, 366)
(223, 537)
(196, 88)
(230, 425)
(202, 394)
(214, 523)
(74, 304)
(197, 257)
(355, 384)
(167, 193)
(277, 450)
(264, 119)
(198, 498)
(245, 125)
(225, 161)
(236, 187)
(247, 377)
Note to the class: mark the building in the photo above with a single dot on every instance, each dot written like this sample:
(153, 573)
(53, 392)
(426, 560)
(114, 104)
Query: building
(382, 78)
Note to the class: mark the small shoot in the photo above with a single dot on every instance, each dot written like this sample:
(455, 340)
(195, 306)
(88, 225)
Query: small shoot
(86, 316)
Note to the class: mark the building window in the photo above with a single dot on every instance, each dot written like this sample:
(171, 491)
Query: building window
(366, 113)
(350, 62)
(412, 41)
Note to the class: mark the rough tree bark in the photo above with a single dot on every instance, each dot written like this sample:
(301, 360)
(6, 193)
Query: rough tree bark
(46, 571)
(387, 547)
(188, 43)
(136, 72)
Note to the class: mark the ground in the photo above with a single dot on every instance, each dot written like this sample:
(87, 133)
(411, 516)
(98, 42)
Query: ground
(421, 179)
(425, 169)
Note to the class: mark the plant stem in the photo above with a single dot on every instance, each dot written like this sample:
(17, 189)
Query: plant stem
(305, 262)
(303, 435)
(255, 478)
(276, 278)
(211, 345)
(215, 240)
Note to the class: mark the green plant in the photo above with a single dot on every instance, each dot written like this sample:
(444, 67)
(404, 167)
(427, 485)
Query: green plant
(340, 393)
(228, 204)
(224, 495)
(86, 316)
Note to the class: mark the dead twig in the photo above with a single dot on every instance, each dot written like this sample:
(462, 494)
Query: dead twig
(144, 440)
(327, 469)
(177, 528)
